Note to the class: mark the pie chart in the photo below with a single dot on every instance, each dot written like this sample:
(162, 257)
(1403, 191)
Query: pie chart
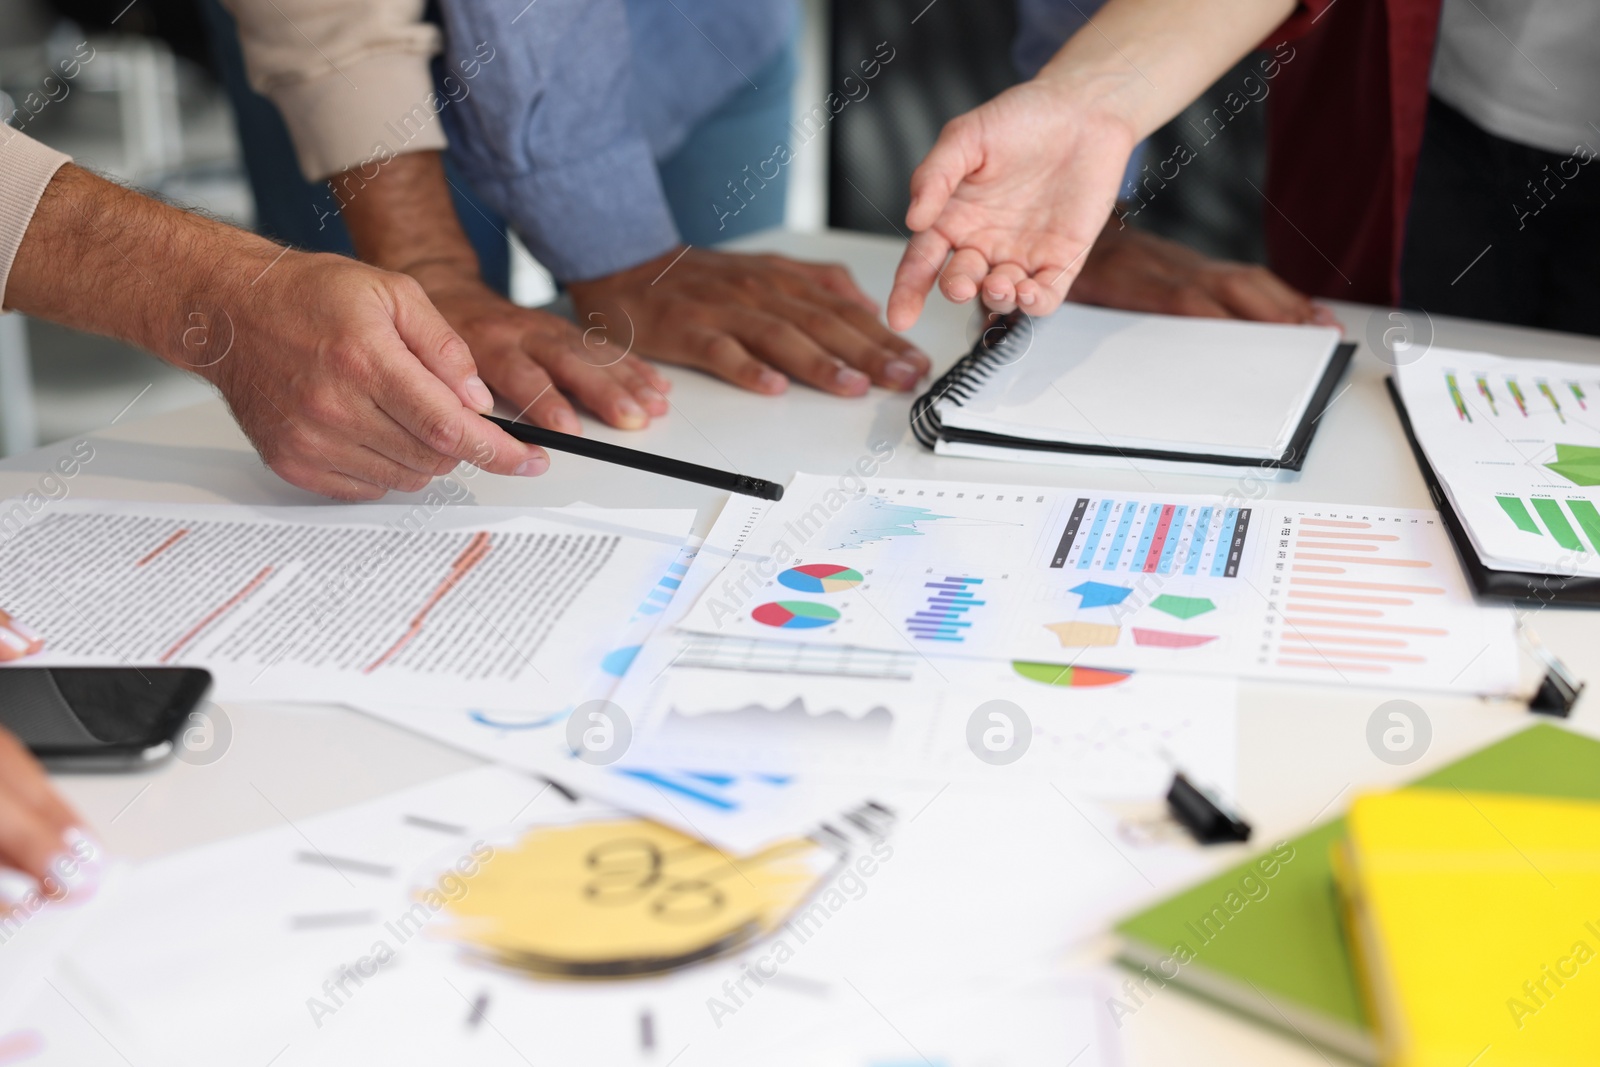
(820, 578)
(795, 615)
(1053, 674)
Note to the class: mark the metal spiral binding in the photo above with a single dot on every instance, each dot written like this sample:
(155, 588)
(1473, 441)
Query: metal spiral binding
(963, 380)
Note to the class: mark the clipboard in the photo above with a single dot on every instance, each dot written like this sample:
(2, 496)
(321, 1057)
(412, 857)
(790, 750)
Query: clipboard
(963, 380)
(1527, 587)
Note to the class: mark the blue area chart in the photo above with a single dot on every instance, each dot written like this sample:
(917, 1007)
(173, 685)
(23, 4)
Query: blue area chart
(944, 615)
(875, 519)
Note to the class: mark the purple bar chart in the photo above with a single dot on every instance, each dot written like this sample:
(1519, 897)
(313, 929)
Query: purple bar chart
(943, 616)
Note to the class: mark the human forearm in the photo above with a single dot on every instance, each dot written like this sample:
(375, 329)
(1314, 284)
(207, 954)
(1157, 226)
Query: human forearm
(403, 219)
(104, 259)
(1143, 61)
(1014, 192)
(345, 378)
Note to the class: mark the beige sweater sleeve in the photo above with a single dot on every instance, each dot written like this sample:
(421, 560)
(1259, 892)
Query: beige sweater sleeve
(350, 77)
(26, 167)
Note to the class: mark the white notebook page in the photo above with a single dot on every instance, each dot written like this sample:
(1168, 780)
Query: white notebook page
(1089, 376)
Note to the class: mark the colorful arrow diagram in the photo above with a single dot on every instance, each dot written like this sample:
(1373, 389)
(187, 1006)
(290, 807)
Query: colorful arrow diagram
(1099, 594)
(1076, 677)
(1182, 607)
(1578, 464)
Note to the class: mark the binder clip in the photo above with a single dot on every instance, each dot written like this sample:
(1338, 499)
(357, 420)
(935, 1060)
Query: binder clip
(1202, 815)
(1558, 691)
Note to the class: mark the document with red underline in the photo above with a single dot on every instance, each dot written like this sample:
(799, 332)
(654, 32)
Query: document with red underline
(422, 602)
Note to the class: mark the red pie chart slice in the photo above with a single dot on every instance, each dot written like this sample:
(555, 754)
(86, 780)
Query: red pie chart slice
(820, 578)
(795, 615)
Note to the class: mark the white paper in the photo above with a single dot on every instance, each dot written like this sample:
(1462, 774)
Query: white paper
(1516, 445)
(1113, 735)
(490, 606)
(735, 808)
(1197, 584)
(1092, 376)
(236, 952)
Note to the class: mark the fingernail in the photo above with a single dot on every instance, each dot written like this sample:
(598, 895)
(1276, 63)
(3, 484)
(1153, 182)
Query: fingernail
(1025, 298)
(916, 354)
(566, 422)
(850, 378)
(533, 467)
(83, 845)
(630, 414)
(770, 381)
(16, 889)
(479, 394)
(900, 373)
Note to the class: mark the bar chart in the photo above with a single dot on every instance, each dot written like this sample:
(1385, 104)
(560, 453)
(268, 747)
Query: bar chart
(943, 616)
(1122, 536)
(1362, 595)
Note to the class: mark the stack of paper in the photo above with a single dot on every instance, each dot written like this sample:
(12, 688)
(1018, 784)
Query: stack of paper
(873, 710)
(817, 811)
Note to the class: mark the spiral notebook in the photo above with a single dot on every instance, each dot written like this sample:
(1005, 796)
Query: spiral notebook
(1088, 386)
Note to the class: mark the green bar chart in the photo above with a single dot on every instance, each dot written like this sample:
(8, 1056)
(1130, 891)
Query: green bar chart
(1548, 517)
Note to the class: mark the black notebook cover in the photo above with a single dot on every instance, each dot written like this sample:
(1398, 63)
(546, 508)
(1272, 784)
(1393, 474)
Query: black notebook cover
(971, 371)
(1527, 586)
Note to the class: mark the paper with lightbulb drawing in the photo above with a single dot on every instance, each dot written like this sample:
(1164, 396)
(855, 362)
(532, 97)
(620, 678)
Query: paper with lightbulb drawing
(421, 602)
(321, 943)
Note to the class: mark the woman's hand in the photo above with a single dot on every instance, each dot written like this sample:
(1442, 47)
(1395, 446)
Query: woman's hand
(39, 833)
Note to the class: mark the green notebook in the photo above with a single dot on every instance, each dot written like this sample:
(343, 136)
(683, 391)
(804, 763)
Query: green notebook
(1265, 937)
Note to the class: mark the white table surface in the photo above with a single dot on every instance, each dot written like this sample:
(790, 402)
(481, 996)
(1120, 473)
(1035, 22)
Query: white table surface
(1301, 749)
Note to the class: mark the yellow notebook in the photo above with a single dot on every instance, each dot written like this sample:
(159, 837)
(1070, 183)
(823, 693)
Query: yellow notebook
(1474, 920)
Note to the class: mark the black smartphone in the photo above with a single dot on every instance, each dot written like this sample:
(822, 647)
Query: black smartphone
(99, 718)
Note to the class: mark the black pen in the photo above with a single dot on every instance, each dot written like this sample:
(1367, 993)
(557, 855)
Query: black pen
(641, 461)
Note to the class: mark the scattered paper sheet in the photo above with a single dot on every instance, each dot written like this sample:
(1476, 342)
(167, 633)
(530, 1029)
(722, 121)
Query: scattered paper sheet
(1103, 733)
(1516, 444)
(1202, 584)
(318, 943)
(489, 605)
(1109, 734)
(738, 810)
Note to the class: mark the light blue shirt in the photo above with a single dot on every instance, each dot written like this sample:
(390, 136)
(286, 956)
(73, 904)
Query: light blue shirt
(562, 129)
